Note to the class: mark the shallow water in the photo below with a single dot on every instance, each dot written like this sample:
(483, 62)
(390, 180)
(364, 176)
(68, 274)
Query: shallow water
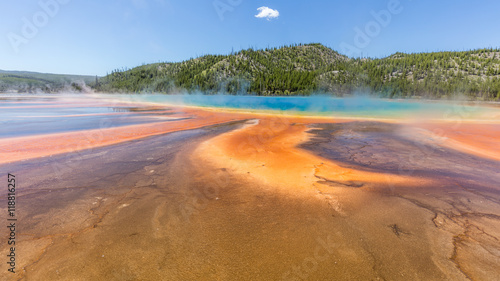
(26, 115)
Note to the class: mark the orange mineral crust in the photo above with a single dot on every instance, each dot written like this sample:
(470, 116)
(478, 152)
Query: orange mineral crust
(266, 149)
(419, 209)
(474, 138)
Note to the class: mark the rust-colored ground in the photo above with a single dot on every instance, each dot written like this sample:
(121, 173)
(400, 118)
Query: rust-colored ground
(237, 196)
(480, 139)
(268, 150)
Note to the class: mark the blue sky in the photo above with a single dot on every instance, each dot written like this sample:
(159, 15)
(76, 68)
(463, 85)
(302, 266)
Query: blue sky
(94, 37)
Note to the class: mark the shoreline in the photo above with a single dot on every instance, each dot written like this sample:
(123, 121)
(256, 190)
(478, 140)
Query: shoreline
(198, 117)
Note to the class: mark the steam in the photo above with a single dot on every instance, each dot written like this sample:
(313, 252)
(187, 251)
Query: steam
(77, 86)
(358, 106)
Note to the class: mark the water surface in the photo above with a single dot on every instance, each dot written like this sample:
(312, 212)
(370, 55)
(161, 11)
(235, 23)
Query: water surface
(364, 107)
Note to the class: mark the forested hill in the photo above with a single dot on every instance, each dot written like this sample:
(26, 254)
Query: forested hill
(314, 68)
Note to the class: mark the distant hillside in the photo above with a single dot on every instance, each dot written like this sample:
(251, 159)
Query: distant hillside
(475, 74)
(314, 68)
(23, 81)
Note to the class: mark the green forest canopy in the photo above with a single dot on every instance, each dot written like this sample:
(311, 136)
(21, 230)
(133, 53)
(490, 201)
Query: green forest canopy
(314, 68)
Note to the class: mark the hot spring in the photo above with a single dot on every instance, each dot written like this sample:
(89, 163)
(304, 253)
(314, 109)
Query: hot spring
(362, 107)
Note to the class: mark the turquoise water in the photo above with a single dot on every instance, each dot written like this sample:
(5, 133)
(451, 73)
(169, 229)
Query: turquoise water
(329, 106)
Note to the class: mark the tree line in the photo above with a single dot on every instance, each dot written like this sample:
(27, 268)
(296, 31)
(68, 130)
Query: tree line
(313, 68)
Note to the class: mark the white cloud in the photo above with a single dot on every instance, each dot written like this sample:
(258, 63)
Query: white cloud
(267, 13)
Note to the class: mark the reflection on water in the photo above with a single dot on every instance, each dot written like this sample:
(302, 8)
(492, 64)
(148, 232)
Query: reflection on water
(25, 114)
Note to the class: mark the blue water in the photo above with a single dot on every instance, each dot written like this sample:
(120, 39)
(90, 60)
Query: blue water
(323, 106)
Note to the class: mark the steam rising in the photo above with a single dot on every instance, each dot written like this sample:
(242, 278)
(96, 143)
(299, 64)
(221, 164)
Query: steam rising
(358, 106)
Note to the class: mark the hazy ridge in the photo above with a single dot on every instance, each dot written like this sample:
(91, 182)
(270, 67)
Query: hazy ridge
(32, 82)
